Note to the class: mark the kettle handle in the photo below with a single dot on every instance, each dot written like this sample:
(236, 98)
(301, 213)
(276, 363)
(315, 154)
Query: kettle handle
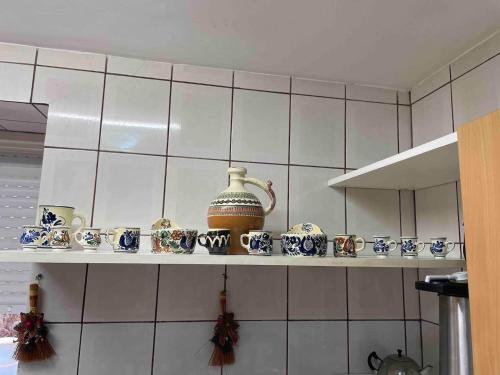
(267, 187)
(371, 357)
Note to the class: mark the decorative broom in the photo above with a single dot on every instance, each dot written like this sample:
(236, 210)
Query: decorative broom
(225, 336)
(32, 343)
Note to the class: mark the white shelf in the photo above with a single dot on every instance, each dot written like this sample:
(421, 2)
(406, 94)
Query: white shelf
(431, 164)
(72, 257)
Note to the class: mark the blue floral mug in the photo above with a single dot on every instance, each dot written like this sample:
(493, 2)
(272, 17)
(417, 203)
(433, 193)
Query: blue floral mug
(89, 238)
(31, 237)
(411, 246)
(383, 245)
(50, 216)
(258, 242)
(124, 239)
(440, 247)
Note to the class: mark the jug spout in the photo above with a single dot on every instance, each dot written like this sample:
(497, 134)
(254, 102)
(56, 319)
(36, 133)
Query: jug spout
(427, 370)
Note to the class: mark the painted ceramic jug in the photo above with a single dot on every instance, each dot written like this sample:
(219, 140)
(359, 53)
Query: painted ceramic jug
(238, 209)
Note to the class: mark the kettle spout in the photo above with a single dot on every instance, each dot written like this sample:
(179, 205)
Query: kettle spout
(427, 370)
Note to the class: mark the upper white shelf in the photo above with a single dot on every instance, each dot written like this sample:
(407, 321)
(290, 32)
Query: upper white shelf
(431, 164)
(73, 256)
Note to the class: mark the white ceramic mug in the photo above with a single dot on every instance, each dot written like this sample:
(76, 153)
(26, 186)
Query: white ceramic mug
(50, 216)
(411, 246)
(346, 245)
(58, 238)
(124, 239)
(383, 245)
(258, 242)
(31, 237)
(89, 238)
(440, 247)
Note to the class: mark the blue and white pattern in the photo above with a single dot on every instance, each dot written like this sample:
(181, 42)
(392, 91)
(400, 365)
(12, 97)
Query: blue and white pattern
(437, 247)
(129, 241)
(47, 221)
(261, 244)
(380, 247)
(29, 237)
(408, 246)
(308, 245)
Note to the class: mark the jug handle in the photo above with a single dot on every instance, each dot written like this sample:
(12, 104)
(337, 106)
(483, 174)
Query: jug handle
(267, 187)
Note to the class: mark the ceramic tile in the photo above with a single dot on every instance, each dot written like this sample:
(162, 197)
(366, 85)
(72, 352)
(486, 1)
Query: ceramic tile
(17, 53)
(258, 81)
(317, 131)
(135, 116)
(407, 198)
(412, 304)
(477, 93)
(276, 221)
(404, 114)
(202, 283)
(204, 75)
(414, 340)
(77, 191)
(431, 116)
(430, 84)
(373, 94)
(75, 100)
(16, 82)
(140, 68)
(317, 293)
(131, 299)
(476, 56)
(61, 291)
(383, 337)
(257, 293)
(320, 88)
(373, 212)
(318, 348)
(185, 201)
(129, 190)
(371, 132)
(261, 349)
(437, 215)
(104, 346)
(200, 121)
(311, 200)
(71, 59)
(375, 293)
(182, 348)
(260, 127)
(404, 97)
(430, 346)
(65, 339)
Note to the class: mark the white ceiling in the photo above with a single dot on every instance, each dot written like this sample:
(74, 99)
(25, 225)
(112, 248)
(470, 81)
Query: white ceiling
(392, 43)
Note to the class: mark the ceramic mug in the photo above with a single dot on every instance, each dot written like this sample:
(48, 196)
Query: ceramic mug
(383, 245)
(49, 216)
(344, 245)
(124, 239)
(440, 247)
(58, 238)
(258, 242)
(217, 241)
(31, 237)
(89, 238)
(173, 240)
(411, 246)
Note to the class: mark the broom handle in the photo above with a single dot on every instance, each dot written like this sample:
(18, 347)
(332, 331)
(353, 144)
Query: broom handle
(223, 301)
(33, 298)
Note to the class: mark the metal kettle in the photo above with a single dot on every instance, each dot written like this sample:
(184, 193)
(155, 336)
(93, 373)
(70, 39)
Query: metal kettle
(396, 364)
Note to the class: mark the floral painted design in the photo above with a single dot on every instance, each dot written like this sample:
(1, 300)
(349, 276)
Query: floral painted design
(175, 241)
(307, 227)
(380, 246)
(58, 238)
(261, 244)
(129, 240)
(29, 237)
(309, 245)
(92, 239)
(408, 246)
(50, 219)
(344, 246)
(437, 247)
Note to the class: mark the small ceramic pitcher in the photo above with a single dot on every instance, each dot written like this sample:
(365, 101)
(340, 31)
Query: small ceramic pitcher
(89, 238)
(440, 247)
(31, 237)
(258, 242)
(124, 239)
(383, 245)
(411, 246)
(344, 245)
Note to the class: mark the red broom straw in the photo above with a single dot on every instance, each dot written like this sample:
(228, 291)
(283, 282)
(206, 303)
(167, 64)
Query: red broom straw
(32, 343)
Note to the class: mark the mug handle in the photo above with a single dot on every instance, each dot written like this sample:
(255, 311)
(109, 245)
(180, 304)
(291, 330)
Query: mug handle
(243, 236)
(76, 235)
(203, 235)
(394, 245)
(108, 234)
(448, 244)
(422, 246)
(361, 241)
(83, 222)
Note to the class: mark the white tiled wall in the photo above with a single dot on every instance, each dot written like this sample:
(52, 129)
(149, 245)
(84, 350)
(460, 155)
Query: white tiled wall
(185, 133)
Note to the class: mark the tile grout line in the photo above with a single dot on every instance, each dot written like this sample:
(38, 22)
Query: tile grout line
(231, 124)
(411, 122)
(287, 317)
(288, 164)
(99, 143)
(155, 320)
(430, 92)
(451, 102)
(81, 319)
(33, 78)
(166, 146)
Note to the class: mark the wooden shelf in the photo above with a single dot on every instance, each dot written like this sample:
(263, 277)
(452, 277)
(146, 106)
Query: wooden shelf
(72, 257)
(431, 164)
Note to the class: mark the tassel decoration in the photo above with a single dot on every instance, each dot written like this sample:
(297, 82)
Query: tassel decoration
(225, 336)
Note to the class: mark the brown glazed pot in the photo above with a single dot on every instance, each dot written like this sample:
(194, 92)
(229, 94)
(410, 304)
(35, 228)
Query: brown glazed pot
(239, 210)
